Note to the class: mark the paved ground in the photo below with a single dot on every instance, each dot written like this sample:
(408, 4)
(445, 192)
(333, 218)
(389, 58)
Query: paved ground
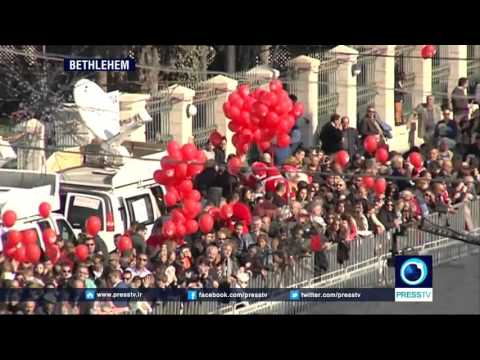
(456, 290)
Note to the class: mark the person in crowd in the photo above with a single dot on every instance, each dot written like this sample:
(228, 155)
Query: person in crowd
(429, 114)
(370, 125)
(446, 129)
(351, 139)
(220, 151)
(399, 97)
(460, 101)
(331, 135)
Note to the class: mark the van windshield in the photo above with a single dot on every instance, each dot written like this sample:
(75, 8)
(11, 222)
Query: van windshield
(140, 209)
(82, 207)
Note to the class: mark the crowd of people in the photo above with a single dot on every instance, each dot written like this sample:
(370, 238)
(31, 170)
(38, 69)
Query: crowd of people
(285, 208)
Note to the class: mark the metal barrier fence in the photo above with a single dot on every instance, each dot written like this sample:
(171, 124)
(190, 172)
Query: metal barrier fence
(158, 130)
(440, 73)
(366, 266)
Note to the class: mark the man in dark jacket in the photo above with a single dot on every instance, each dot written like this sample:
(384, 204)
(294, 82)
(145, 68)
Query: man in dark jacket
(369, 124)
(460, 100)
(351, 141)
(331, 135)
(139, 232)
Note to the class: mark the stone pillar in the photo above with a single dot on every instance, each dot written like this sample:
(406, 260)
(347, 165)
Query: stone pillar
(130, 105)
(458, 68)
(423, 78)
(180, 122)
(346, 82)
(306, 89)
(225, 86)
(263, 74)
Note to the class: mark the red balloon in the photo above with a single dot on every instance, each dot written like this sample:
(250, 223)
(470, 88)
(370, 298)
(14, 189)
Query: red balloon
(191, 226)
(254, 120)
(33, 253)
(9, 217)
(380, 186)
(242, 148)
(159, 177)
(10, 251)
(298, 109)
(227, 108)
(246, 136)
(342, 158)
(205, 223)
(429, 51)
(368, 182)
(14, 237)
(189, 151)
(264, 145)
(416, 160)
(180, 230)
(315, 243)
(235, 127)
(20, 254)
(260, 109)
(185, 187)
(283, 140)
(242, 212)
(194, 195)
(234, 112)
(125, 244)
(243, 91)
(215, 138)
(257, 135)
(244, 118)
(200, 157)
(269, 99)
(226, 212)
(234, 165)
(192, 207)
(81, 252)
(248, 104)
(234, 96)
(177, 216)
(271, 120)
(381, 155)
(29, 237)
(194, 169)
(173, 147)
(44, 209)
(169, 228)
(370, 144)
(214, 212)
(49, 237)
(275, 85)
(53, 253)
(181, 171)
(237, 102)
(170, 199)
(93, 225)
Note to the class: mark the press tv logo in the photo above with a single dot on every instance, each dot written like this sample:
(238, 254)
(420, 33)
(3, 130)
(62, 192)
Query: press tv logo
(413, 278)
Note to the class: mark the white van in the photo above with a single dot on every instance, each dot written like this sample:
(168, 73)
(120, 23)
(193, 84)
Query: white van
(119, 197)
(22, 191)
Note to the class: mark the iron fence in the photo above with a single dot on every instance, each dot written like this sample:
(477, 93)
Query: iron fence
(404, 63)
(440, 74)
(203, 123)
(158, 130)
(473, 63)
(366, 87)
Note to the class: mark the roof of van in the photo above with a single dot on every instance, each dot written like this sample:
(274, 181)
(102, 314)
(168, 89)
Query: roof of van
(132, 172)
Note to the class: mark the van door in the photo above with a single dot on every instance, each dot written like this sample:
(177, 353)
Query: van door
(81, 206)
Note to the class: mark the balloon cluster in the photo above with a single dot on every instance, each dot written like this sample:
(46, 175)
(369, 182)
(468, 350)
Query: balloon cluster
(261, 116)
(178, 170)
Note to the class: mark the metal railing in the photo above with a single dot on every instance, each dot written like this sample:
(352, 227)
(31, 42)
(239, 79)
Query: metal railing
(473, 64)
(158, 130)
(405, 64)
(366, 266)
(327, 93)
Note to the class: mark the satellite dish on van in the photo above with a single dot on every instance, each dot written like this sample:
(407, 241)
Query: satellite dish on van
(99, 113)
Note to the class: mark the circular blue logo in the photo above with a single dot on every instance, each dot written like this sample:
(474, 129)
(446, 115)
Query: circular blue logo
(413, 272)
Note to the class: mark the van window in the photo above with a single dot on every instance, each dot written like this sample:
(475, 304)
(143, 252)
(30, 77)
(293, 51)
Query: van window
(65, 232)
(45, 224)
(140, 209)
(157, 192)
(80, 208)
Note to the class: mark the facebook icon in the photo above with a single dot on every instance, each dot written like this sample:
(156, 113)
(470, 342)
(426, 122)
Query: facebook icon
(192, 295)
